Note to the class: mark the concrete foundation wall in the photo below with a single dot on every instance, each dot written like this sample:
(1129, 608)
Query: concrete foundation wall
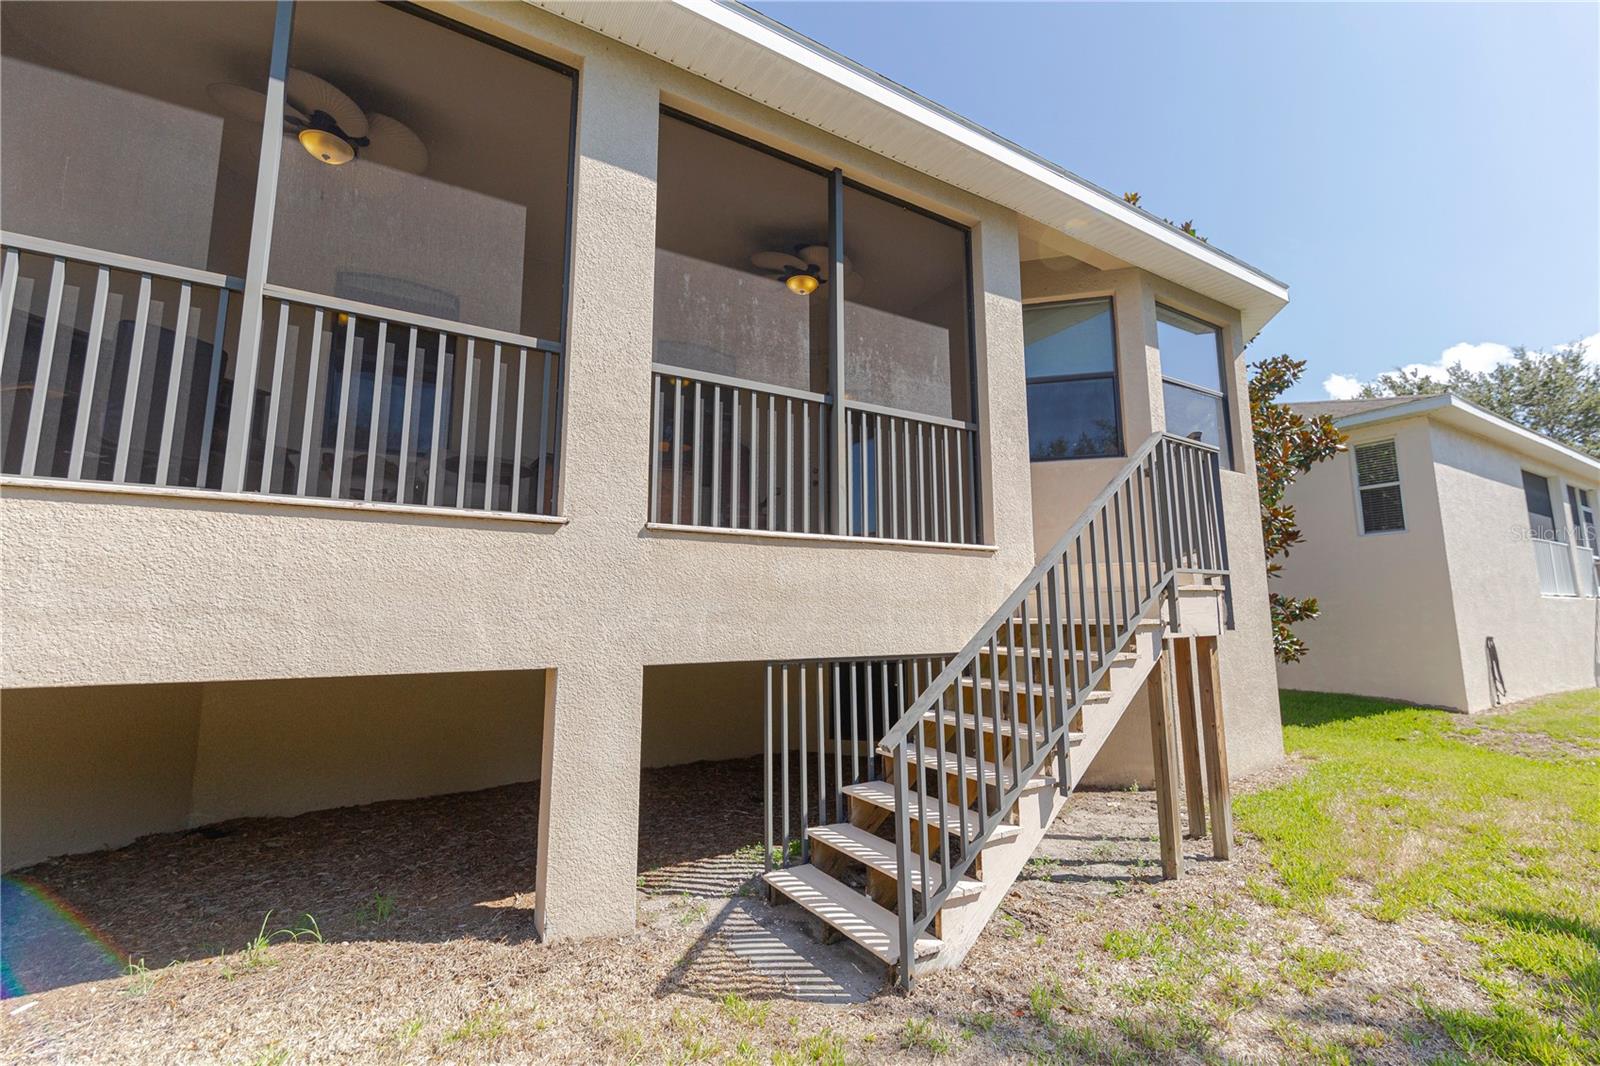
(89, 768)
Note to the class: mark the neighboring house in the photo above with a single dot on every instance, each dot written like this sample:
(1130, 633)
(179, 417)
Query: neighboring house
(401, 401)
(1449, 549)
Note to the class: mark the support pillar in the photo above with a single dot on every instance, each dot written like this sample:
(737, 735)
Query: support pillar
(1215, 742)
(1194, 788)
(589, 799)
(1165, 759)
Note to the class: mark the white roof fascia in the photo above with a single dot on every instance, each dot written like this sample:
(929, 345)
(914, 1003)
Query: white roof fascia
(1452, 409)
(715, 39)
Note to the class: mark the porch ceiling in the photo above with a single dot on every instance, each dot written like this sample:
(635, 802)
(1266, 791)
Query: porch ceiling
(750, 54)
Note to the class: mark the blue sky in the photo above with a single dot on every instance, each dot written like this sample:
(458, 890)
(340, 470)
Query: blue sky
(1425, 177)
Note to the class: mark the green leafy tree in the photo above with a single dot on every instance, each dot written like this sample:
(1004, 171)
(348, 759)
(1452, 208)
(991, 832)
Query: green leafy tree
(1287, 445)
(1556, 393)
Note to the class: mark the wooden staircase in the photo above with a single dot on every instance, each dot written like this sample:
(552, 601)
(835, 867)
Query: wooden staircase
(971, 772)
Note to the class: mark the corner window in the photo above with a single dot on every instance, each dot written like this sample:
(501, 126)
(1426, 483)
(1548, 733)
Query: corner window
(1549, 546)
(1071, 358)
(1193, 385)
(1378, 486)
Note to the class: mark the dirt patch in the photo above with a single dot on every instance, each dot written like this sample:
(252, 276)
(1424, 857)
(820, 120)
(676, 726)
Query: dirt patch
(714, 972)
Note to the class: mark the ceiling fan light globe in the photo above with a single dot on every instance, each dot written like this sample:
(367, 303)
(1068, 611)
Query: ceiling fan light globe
(326, 147)
(802, 284)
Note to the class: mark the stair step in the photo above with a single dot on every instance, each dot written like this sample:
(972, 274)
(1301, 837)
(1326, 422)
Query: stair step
(879, 854)
(848, 911)
(986, 723)
(1039, 688)
(1122, 658)
(972, 769)
(946, 817)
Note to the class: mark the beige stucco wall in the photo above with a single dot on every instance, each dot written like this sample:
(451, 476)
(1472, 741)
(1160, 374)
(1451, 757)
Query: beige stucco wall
(1546, 643)
(1388, 625)
(83, 768)
(699, 711)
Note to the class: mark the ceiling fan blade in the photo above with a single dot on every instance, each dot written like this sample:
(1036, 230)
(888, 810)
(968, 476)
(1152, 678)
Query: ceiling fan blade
(777, 261)
(394, 145)
(311, 94)
(815, 254)
(242, 102)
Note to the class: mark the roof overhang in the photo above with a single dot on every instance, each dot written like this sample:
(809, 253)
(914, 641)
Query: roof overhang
(1452, 410)
(750, 54)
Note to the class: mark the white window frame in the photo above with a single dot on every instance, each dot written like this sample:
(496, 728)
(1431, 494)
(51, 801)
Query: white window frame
(1357, 486)
(1559, 549)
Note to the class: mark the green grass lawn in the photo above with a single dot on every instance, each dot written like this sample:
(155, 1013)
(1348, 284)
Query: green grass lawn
(1412, 809)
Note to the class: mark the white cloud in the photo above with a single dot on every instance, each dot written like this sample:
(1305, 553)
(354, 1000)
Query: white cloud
(1476, 358)
(1341, 387)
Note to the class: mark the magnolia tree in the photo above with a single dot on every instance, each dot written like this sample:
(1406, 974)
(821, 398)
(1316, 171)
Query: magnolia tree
(1287, 445)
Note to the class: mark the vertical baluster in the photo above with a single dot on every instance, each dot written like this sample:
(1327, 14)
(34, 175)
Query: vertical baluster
(788, 464)
(949, 499)
(695, 451)
(408, 396)
(344, 406)
(963, 508)
(1141, 549)
(783, 692)
(803, 708)
(91, 362)
(1040, 695)
(962, 799)
(1057, 678)
(716, 455)
(877, 475)
(766, 769)
(922, 795)
(312, 408)
(653, 507)
(677, 455)
(1082, 635)
(772, 462)
(468, 415)
(822, 747)
(872, 723)
(436, 437)
(1013, 705)
(989, 799)
(280, 356)
(902, 838)
(491, 463)
(855, 728)
(735, 446)
(930, 670)
(8, 292)
(547, 438)
(805, 466)
(45, 365)
(1096, 549)
(178, 384)
(905, 465)
(213, 384)
(380, 371)
(130, 389)
(754, 505)
(522, 404)
(894, 482)
(838, 748)
(1122, 577)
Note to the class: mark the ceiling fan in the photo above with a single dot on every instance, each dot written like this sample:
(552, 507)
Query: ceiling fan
(806, 269)
(328, 124)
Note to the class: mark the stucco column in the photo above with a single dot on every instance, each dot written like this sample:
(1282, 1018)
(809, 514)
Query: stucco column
(589, 799)
(589, 785)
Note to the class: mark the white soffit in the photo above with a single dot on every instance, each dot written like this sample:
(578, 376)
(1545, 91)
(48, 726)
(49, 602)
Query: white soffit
(750, 54)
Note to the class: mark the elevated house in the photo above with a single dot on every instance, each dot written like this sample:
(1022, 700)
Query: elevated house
(404, 399)
(1453, 554)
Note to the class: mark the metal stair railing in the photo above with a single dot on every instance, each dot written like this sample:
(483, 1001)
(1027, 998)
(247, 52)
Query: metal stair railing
(1161, 516)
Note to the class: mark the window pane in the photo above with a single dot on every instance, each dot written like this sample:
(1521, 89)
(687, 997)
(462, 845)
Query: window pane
(1067, 339)
(1190, 349)
(732, 223)
(1381, 510)
(1192, 414)
(1541, 510)
(1376, 464)
(905, 308)
(457, 208)
(1072, 419)
(112, 136)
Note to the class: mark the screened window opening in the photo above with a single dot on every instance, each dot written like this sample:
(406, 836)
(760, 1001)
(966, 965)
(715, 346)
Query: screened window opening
(1071, 358)
(1551, 555)
(1194, 388)
(1581, 506)
(760, 418)
(1378, 485)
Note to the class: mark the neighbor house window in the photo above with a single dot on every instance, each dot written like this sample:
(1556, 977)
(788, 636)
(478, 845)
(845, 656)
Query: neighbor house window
(1549, 546)
(1071, 358)
(1194, 388)
(1581, 504)
(1378, 486)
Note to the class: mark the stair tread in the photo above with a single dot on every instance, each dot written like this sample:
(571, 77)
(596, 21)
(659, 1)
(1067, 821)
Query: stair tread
(848, 911)
(1120, 659)
(972, 769)
(879, 854)
(881, 794)
(970, 721)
